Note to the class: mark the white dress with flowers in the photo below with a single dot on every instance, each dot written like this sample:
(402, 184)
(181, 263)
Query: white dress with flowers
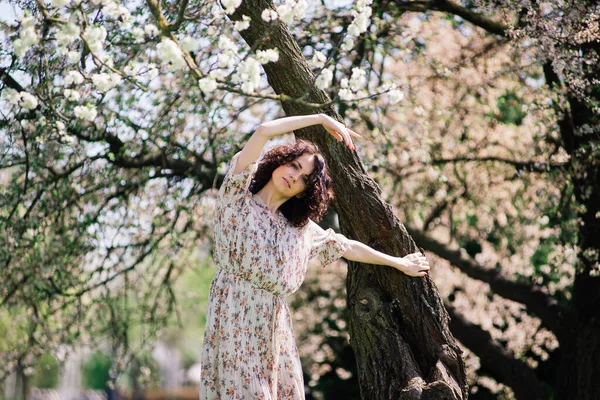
(249, 349)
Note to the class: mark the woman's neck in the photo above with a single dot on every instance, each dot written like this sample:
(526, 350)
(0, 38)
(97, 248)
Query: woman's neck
(271, 197)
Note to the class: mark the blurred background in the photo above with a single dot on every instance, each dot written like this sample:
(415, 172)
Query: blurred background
(480, 127)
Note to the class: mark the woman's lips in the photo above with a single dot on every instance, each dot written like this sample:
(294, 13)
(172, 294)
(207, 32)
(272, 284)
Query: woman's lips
(287, 182)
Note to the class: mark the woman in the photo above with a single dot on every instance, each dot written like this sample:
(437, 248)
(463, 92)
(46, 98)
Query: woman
(265, 235)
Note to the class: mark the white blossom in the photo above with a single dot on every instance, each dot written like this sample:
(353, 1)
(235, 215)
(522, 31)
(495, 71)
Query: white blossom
(138, 34)
(358, 79)
(105, 81)
(151, 30)
(396, 96)
(73, 56)
(353, 30)
(71, 94)
(225, 60)
(59, 3)
(207, 85)
(247, 74)
(346, 94)
(286, 12)
(218, 74)
(344, 83)
(27, 38)
(300, 9)
(348, 44)
(243, 24)
(11, 95)
(168, 51)
(74, 77)
(27, 22)
(95, 36)
(152, 73)
(267, 56)
(87, 113)
(28, 101)
(227, 45)
(67, 33)
(318, 60)
(269, 15)
(189, 43)
(324, 79)
(230, 5)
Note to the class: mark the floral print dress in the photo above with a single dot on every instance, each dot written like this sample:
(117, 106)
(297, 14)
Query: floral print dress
(249, 350)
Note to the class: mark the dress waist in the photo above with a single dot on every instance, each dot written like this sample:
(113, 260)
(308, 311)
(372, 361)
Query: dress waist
(255, 285)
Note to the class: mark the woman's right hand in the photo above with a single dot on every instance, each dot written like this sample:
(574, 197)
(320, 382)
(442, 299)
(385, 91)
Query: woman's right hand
(339, 131)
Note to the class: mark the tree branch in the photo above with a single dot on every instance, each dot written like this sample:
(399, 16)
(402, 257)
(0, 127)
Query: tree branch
(504, 367)
(455, 9)
(537, 301)
(530, 166)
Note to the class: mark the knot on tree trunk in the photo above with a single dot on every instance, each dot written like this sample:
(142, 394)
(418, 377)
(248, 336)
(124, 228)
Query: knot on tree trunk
(368, 304)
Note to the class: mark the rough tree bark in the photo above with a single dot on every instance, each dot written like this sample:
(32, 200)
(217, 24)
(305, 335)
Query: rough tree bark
(398, 325)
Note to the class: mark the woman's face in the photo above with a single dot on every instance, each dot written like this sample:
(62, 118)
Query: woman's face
(291, 178)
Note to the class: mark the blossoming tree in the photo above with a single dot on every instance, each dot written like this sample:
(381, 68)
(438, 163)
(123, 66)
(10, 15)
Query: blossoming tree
(117, 118)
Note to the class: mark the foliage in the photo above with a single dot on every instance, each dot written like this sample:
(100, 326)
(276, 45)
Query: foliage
(117, 119)
(96, 371)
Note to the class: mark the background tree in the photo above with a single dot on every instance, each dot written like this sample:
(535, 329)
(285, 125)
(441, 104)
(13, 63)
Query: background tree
(494, 149)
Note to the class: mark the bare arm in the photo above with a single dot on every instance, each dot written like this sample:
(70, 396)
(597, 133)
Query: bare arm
(268, 130)
(414, 264)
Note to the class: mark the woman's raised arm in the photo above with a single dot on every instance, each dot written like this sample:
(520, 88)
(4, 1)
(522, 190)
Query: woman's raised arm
(268, 130)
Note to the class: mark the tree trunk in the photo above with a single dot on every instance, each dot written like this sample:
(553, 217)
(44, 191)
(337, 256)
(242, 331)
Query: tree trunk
(398, 325)
(579, 372)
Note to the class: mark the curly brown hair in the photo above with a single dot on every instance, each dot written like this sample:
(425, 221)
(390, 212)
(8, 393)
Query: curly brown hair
(313, 204)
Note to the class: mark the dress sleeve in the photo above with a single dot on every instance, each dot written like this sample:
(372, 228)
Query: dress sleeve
(236, 186)
(326, 245)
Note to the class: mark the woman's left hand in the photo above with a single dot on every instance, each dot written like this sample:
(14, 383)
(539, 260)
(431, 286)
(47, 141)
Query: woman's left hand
(414, 264)
(340, 131)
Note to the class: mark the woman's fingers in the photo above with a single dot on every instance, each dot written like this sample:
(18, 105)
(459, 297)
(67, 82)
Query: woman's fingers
(354, 133)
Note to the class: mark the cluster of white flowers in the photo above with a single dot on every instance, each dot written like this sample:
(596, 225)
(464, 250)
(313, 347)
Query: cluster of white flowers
(189, 43)
(86, 113)
(291, 10)
(243, 24)
(27, 37)
(353, 88)
(169, 52)
(396, 96)
(359, 24)
(269, 15)
(227, 58)
(207, 85)
(318, 60)
(72, 94)
(95, 36)
(345, 93)
(267, 56)
(24, 99)
(247, 74)
(117, 11)
(67, 33)
(61, 129)
(361, 15)
(105, 81)
(358, 80)
(230, 5)
(59, 3)
(73, 77)
(324, 79)
(73, 57)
